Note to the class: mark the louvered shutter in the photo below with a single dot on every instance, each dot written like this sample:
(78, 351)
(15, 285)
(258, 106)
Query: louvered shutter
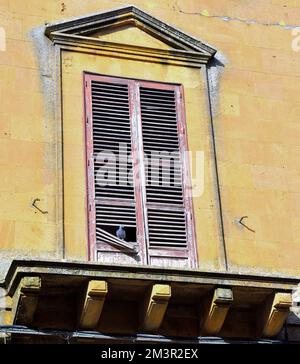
(112, 192)
(170, 233)
(154, 208)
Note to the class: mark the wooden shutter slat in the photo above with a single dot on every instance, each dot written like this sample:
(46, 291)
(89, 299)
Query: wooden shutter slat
(172, 189)
(105, 132)
(110, 239)
(158, 127)
(156, 107)
(123, 215)
(156, 112)
(155, 93)
(108, 86)
(109, 96)
(123, 130)
(111, 116)
(120, 126)
(179, 196)
(154, 98)
(148, 136)
(161, 118)
(161, 214)
(113, 113)
(147, 90)
(102, 91)
(109, 106)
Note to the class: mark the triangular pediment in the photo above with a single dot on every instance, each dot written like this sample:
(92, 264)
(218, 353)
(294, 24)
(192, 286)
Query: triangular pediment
(132, 26)
(132, 35)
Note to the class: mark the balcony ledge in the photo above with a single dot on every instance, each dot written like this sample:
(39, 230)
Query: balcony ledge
(116, 299)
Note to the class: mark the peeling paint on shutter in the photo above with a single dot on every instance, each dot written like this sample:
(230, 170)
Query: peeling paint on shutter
(170, 233)
(157, 217)
(112, 197)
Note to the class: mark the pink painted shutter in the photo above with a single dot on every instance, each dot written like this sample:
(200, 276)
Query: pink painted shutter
(149, 118)
(109, 124)
(168, 208)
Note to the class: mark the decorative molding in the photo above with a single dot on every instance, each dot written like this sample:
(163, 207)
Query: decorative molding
(93, 302)
(109, 49)
(25, 300)
(154, 307)
(215, 310)
(21, 267)
(80, 32)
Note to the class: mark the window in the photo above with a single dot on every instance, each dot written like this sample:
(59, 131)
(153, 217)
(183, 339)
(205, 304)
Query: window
(137, 173)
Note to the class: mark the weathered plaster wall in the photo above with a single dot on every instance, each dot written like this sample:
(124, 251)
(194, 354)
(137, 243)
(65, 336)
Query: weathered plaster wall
(255, 106)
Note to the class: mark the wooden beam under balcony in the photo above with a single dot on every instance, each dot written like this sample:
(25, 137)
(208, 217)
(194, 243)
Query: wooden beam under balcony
(154, 307)
(214, 311)
(92, 304)
(25, 300)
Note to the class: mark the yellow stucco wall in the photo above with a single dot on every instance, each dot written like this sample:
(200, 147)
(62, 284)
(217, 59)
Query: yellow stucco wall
(256, 120)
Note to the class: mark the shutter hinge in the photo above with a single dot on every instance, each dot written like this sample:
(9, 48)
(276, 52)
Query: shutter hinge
(85, 83)
(87, 119)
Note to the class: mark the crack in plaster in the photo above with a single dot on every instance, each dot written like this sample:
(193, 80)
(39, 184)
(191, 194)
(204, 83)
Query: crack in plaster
(227, 18)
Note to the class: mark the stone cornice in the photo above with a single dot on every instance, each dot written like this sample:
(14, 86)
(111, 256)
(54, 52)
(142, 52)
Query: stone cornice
(81, 31)
(94, 270)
